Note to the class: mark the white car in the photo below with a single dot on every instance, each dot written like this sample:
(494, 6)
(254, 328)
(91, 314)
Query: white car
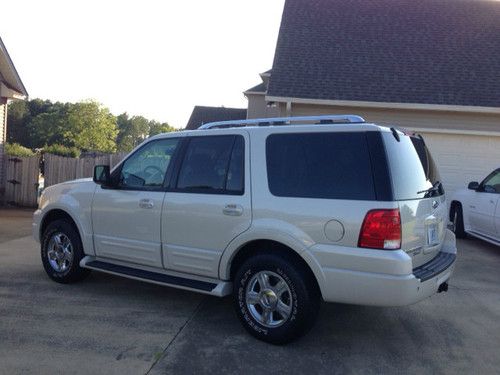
(279, 213)
(476, 210)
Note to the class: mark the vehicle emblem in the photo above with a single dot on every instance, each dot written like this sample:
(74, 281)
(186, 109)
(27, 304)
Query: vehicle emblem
(414, 251)
(435, 204)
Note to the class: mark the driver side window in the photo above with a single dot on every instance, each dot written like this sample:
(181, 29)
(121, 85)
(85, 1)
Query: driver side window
(492, 183)
(146, 168)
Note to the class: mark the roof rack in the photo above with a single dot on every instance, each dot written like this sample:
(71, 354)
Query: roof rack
(275, 121)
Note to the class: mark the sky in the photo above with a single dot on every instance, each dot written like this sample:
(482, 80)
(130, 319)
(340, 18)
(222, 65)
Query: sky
(153, 58)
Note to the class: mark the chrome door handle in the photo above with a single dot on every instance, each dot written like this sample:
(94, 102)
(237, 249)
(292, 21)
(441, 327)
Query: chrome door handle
(146, 203)
(232, 210)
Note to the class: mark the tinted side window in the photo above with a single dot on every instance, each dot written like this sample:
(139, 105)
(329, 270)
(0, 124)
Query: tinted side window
(320, 165)
(413, 170)
(235, 176)
(210, 165)
(491, 184)
(146, 168)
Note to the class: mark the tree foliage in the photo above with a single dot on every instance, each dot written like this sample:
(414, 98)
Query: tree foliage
(91, 127)
(156, 127)
(87, 126)
(55, 149)
(15, 149)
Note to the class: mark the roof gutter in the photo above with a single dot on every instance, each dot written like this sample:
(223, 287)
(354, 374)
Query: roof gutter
(366, 104)
(18, 82)
(10, 93)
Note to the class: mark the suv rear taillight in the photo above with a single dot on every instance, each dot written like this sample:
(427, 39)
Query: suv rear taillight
(381, 229)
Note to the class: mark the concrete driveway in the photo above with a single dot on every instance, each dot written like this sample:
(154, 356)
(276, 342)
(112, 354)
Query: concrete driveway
(109, 325)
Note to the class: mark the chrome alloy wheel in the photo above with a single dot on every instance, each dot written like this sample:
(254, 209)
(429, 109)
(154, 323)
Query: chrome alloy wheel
(60, 252)
(269, 299)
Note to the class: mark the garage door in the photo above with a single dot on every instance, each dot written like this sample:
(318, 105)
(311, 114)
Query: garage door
(463, 158)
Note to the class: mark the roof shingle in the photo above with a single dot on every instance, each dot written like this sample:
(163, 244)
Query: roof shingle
(404, 51)
(202, 115)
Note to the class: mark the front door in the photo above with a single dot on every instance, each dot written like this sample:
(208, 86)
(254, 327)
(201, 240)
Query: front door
(483, 205)
(126, 220)
(208, 204)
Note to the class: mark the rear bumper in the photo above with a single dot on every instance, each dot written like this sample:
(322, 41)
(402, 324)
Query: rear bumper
(392, 281)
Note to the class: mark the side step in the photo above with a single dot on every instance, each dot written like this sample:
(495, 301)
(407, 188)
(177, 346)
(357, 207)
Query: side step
(484, 237)
(220, 289)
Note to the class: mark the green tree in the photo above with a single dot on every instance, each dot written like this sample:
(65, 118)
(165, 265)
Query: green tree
(91, 127)
(156, 127)
(49, 127)
(131, 131)
(18, 117)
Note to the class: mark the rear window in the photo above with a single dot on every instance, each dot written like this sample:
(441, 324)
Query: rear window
(320, 165)
(412, 168)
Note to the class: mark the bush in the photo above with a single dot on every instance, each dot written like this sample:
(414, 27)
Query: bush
(15, 149)
(71, 152)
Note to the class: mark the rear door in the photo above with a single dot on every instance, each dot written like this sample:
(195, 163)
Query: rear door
(420, 196)
(208, 203)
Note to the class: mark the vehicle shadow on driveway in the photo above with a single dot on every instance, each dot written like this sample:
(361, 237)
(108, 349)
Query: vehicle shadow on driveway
(451, 332)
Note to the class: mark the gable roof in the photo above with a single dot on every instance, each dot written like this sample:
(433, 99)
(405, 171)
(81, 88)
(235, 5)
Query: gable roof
(401, 51)
(202, 115)
(258, 89)
(8, 72)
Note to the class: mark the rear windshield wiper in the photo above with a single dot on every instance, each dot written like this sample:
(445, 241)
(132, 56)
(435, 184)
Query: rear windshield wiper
(435, 187)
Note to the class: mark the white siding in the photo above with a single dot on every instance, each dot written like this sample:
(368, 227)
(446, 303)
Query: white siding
(3, 135)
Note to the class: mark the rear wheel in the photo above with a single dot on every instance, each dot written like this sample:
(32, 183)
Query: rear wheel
(61, 252)
(458, 220)
(276, 299)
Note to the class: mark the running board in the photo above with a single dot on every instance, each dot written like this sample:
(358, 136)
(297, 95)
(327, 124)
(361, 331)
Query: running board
(484, 237)
(216, 288)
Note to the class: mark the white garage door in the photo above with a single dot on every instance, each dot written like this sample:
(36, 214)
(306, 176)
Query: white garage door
(463, 158)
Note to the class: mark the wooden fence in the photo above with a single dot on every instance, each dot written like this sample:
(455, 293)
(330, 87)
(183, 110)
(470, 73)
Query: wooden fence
(23, 174)
(59, 168)
(21, 186)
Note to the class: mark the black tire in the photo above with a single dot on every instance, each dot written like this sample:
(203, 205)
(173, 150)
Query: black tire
(302, 288)
(73, 271)
(457, 217)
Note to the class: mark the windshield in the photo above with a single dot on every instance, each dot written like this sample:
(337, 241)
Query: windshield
(413, 171)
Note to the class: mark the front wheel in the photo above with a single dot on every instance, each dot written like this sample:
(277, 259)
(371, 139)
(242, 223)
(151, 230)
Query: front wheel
(61, 253)
(276, 300)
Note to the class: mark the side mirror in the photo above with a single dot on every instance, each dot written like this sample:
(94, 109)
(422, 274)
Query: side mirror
(474, 185)
(101, 175)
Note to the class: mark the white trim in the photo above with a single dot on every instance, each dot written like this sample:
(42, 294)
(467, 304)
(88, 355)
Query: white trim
(417, 106)
(254, 92)
(454, 131)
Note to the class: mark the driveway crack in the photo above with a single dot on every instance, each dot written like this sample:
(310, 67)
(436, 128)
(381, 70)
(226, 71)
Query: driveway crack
(191, 317)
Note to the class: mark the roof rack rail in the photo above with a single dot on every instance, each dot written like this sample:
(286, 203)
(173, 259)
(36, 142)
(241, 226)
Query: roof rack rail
(276, 121)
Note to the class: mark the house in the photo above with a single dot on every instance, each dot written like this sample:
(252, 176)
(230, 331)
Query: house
(202, 115)
(11, 87)
(431, 66)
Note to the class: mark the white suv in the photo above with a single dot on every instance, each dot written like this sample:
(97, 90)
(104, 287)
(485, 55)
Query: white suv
(281, 213)
(476, 210)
